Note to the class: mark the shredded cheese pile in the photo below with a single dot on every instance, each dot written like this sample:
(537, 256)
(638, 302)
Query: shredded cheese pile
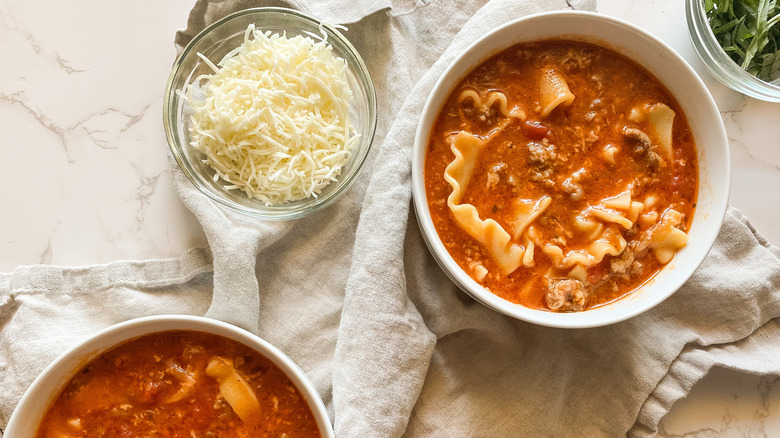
(273, 118)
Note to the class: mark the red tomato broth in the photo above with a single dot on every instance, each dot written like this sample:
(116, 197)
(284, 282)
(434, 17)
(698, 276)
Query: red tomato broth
(606, 86)
(127, 392)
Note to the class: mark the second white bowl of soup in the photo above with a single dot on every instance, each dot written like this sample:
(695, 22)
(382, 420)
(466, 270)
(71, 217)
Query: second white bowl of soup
(570, 170)
(174, 374)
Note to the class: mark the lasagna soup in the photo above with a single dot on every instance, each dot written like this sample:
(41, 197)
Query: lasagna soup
(179, 384)
(561, 175)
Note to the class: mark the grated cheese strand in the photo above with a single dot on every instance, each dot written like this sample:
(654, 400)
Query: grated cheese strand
(273, 119)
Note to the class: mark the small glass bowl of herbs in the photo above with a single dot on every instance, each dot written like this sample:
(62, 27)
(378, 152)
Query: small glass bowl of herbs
(739, 42)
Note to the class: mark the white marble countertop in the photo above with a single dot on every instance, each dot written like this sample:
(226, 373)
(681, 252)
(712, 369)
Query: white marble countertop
(87, 178)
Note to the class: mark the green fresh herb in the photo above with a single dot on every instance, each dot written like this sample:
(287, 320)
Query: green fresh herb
(746, 30)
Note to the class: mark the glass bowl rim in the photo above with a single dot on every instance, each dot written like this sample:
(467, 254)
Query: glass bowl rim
(289, 210)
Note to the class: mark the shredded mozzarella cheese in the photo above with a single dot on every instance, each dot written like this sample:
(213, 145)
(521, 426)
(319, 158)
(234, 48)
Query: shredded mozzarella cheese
(273, 118)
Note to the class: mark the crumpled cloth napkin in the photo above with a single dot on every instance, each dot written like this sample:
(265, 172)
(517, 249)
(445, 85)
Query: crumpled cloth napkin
(354, 297)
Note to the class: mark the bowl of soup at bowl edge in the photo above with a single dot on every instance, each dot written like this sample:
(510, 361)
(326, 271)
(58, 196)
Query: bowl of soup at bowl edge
(471, 111)
(185, 360)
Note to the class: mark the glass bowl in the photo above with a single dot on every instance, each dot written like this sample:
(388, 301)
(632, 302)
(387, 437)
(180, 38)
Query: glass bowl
(214, 43)
(718, 62)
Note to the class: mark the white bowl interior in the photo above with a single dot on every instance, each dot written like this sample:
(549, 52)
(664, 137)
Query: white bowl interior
(681, 81)
(33, 405)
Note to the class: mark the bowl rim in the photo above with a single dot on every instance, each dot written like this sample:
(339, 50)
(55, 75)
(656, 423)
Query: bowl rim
(718, 63)
(573, 320)
(53, 378)
(293, 209)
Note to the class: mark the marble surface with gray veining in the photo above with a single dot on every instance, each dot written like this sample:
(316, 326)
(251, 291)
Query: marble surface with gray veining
(85, 176)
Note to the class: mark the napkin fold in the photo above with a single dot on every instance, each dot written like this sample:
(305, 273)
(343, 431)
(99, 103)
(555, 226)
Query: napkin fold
(352, 294)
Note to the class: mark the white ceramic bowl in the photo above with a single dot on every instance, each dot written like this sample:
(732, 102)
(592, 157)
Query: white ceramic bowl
(33, 405)
(680, 79)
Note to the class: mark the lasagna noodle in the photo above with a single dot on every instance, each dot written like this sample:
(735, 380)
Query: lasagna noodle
(608, 215)
(660, 121)
(619, 202)
(561, 261)
(591, 229)
(528, 254)
(234, 388)
(554, 91)
(610, 210)
(579, 272)
(507, 255)
(492, 98)
(609, 242)
(634, 210)
(528, 211)
(666, 238)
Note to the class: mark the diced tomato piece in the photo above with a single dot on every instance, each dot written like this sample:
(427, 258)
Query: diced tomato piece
(536, 131)
(596, 273)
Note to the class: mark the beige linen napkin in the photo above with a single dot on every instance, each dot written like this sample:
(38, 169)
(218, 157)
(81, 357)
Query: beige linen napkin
(354, 297)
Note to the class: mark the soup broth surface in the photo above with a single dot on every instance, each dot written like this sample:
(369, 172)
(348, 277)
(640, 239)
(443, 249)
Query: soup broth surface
(180, 384)
(578, 157)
